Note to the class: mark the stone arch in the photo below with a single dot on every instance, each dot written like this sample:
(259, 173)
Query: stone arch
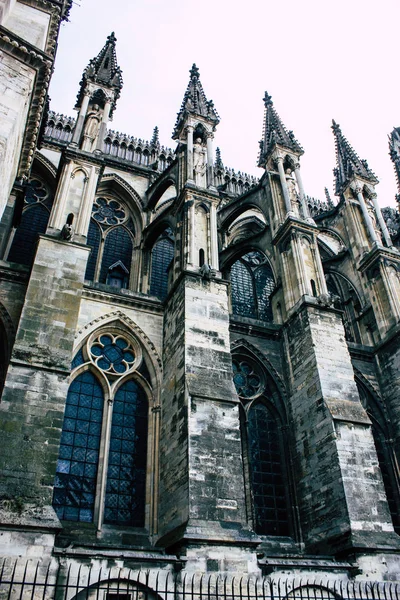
(124, 581)
(239, 208)
(41, 162)
(133, 329)
(153, 231)
(159, 187)
(264, 362)
(231, 255)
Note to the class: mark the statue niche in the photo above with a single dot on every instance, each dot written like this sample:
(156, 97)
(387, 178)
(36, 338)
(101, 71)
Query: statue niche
(199, 162)
(91, 128)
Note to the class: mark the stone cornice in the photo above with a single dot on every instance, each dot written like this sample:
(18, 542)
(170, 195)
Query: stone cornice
(291, 225)
(124, 298)
(376, 255)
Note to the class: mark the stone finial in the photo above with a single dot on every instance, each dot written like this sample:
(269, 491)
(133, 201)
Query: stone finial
(348, 163)
(103, 69)
(195, 103)
(275, 133)
(155, 141)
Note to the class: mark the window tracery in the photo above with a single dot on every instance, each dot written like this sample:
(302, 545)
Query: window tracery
(263, 450)
(252, 283)
(162, 255)
(110, 237)
(36, 208)
(107, 400)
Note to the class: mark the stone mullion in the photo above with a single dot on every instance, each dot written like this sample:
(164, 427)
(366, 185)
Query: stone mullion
(103, 466)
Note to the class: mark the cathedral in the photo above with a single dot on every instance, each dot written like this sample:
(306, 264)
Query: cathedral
(199, 369)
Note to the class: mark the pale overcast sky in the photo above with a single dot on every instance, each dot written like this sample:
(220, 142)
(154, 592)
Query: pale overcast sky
(319, 59)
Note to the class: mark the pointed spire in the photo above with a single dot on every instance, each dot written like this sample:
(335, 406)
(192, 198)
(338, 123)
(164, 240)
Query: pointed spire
(155, 140)
(275, 133)
(104, 70)
(394, 152)
(348, 163)
(328, 198)
(218, 160)
(195, 103)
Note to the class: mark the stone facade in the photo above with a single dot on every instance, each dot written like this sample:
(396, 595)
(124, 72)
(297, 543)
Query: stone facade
(199, 369)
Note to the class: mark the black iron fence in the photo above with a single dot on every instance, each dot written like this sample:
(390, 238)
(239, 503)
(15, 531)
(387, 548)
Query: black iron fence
(36, 581)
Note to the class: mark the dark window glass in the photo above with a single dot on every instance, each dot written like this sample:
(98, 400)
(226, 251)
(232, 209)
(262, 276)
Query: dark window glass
(117, 247)
(385, 467)
(76, 473)
(126, 477)
(264, 287)
(266, 473)
(93, 240)
(252, 283)
(161, 258)
(78, 359)
(33, 222)
(243, 300)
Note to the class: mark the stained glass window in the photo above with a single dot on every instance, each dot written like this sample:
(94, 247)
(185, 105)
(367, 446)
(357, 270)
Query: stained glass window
(93, 240)
(266, 473)
(126, 477)
(243, 299)
(246, 379)
(112, 354)
(35, 216)
(161, 258)
(75, 482)
(108, 212)
(117, 247)
(252, 283)
(33, 222)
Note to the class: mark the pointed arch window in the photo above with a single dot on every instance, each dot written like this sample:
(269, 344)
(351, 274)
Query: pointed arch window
(385, 452)
(110, 237)
(36, 208)
(101, 470)
(162, 255)
(346, 299)
(252, 283)
(263, 451)
(75, 483)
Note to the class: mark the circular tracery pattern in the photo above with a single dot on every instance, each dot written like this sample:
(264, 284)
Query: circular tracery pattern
(108, 212)
(247, 381)
(112, 354)
(35, 192)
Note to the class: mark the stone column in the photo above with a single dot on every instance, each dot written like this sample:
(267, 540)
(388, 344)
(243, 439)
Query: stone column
(210, 161)
(58, 210)
(367, 218)
(214, 237)
(103, 125)
(83, 220)
(81, 118)
(192, 217)
(381, 221)
(189, 159)
(285, 191)
(303, 202)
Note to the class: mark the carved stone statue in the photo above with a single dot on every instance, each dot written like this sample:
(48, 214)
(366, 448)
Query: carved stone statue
(67, 233)
(199, 163)
(91, 129)
(292, 189)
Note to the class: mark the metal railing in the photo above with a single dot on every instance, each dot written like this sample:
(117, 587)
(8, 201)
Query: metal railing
(35, 581)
